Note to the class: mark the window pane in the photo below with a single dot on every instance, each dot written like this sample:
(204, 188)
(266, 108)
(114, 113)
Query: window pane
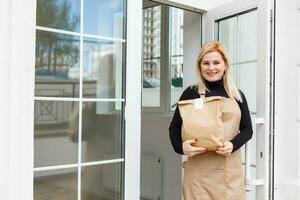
(59, 14)
(55, 133)
(102, 182)
(56, 65)
(176, 54)
(239, 34)
(151, 56)
(102, 69)
(247, 48)
(248, 74)
(56, 184)
(228, 37)
(104, 17)
(102, 131)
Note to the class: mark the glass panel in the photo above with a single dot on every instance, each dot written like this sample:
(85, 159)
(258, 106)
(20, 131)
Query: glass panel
(56, 65)
(176, 54)
(102, 69)
(228, 36)
(102, 182)
(233, 72)
(59, 14)
(55, 133)
(247, 73)
(56, 184)
(239, 35)
(151, 56)
(104, 17)
(247, 27)
(102, 131)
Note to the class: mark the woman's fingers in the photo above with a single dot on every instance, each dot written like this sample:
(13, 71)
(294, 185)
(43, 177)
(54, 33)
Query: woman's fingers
(190, 150)
(191, 141)
(226, 149)
(197, 150)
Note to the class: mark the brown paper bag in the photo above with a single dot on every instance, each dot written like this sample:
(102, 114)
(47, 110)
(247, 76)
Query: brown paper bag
(204, 124)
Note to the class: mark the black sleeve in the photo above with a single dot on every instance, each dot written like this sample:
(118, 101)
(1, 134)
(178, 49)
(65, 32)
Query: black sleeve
(176, 123)
(246, 131)
(175, 132)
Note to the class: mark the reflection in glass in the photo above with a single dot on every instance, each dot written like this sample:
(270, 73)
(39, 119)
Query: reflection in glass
(102, 69)
(102, 130)
(56, 65)
(59, 14)
(56, 184)
(104, 18)
(55, 133)
(102, 182)
(176, 54)
(151, 56)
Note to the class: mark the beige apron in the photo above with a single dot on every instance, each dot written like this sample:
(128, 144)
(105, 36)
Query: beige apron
(210, 176)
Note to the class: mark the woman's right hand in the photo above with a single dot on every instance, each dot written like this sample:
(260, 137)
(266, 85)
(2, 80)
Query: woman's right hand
(190, 150)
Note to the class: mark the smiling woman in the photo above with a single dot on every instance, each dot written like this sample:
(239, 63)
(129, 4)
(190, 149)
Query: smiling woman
(210, 124)
(212, 66)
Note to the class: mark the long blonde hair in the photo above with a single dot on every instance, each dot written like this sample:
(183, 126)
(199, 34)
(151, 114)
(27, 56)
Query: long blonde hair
(229, 85)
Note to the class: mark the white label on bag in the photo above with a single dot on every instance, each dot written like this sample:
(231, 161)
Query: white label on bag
(198, 103)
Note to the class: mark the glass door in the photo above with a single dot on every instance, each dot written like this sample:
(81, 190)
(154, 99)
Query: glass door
(238, 33)
(79, 100)
(237, 26)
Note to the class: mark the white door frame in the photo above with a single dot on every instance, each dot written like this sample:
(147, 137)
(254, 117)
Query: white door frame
(263, 120)
(17, 50)
(133, 99)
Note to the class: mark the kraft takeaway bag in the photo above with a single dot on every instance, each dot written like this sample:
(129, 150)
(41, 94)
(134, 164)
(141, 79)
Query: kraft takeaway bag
(202, 120)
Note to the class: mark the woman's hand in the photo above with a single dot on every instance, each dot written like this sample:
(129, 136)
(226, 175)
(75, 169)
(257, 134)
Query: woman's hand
(191, 151)
(226, 149)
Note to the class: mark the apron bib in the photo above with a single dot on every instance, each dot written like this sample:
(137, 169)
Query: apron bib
(210, 176)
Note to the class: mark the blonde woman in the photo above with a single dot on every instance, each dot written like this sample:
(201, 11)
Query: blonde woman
(210, 124)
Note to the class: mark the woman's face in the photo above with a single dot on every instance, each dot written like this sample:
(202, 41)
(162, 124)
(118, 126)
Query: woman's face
(212, 66)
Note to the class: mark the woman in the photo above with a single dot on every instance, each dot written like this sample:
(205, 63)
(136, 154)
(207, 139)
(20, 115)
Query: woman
(213, 170)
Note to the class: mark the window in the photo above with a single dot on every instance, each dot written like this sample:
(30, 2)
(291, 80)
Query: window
(79, 100)
(151, 57)
(176, 54)
(239, 35)
(162, 57)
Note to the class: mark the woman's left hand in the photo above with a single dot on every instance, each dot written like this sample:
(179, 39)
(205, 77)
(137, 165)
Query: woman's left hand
(226, 149)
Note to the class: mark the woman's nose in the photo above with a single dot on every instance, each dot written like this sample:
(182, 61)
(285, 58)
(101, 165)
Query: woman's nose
(211, 66)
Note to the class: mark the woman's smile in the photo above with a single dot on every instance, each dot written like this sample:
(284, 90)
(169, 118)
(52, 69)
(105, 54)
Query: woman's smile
(212, 66)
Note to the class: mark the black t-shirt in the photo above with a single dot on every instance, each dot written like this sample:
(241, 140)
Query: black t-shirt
(215, 89)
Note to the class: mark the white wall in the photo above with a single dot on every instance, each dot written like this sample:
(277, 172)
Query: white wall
(287, 132)
(155, 142)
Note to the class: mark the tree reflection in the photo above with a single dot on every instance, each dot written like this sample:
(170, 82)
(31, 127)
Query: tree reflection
(56, 53)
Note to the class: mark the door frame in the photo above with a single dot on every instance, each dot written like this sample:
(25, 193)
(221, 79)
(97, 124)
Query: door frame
(133, 100)
(17, 60)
